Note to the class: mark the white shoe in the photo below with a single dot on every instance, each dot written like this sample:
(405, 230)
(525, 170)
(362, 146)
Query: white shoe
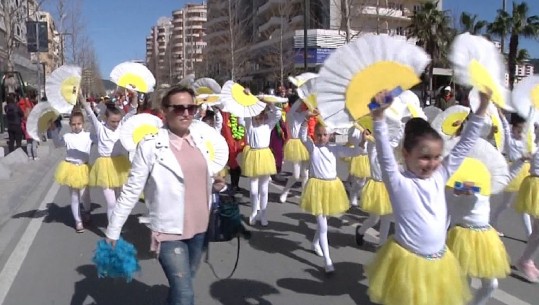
(353, 203)
(283, 197)
(329, 268)
(36, 158)
(263, 219)
(253, 219)
(317, 249)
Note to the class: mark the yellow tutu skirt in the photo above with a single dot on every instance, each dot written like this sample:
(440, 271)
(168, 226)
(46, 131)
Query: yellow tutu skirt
(480, 251)
(324, 197)
(73, 175)
(246, 148)
(375, 198)
(295, 151)
(400, 277)
(514, 185)
(110, 172)
(528, 197)
(259, 162)
(360, 166)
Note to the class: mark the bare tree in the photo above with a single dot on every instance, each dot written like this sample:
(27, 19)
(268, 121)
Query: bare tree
(279, 58)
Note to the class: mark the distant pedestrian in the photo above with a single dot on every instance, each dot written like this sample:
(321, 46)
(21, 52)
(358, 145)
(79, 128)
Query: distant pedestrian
(14, 118)
(446, 99)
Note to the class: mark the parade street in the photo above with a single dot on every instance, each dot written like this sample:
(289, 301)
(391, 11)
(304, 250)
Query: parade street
(44, 261)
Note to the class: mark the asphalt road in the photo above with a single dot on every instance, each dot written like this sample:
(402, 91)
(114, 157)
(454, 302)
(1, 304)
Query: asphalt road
(51, 264)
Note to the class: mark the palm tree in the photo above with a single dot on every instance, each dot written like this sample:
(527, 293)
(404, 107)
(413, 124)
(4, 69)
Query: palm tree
(469, 23)
(517, 25)
(522, 56)
(431, 27)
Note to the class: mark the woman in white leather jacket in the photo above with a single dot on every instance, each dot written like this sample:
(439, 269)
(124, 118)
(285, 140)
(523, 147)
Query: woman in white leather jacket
(172, 170)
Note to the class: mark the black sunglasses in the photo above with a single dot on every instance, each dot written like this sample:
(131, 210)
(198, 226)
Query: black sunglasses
(180, 109)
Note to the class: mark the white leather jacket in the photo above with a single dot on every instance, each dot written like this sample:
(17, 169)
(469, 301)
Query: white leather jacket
(156, 171)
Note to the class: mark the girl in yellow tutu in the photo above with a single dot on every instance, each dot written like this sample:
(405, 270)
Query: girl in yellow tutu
(515, 149)
(294, 150)
(414, 267)
(324, 195)
(374, 197)
(112, 166)
(475, 244)
(74, 171)
(528, 202)
(359, 169)
(259, 162)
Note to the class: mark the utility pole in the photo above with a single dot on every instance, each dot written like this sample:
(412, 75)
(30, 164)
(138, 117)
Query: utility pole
(502, 42)
(306, 21)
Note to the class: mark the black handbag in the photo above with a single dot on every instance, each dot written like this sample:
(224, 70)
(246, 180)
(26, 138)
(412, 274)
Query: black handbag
(225, 225)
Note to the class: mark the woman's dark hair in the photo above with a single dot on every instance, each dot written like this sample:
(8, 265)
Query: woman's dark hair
(165, 102)
(210, 115)
(416, 130)
(517, 119)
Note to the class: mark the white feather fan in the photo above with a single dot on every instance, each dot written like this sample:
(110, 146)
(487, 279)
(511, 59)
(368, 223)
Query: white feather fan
(39, 119)
(206, 85)
(62, 87)
(449, 121)
(238, 101)
(478, 63)
(356, 72)
(133, 76)
(188, 81)
(299, 80)
(431, 112)
(526, 95)
(136, 128)
(492, 120)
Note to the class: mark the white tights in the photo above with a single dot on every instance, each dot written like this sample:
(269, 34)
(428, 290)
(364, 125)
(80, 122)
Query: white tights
(259, 194)
(483, 294)
(533, 243)
(321, 237)
(356, 185)
(508, 199)
(384, 226)
(299, 171)
(78, 195)
(111, 195)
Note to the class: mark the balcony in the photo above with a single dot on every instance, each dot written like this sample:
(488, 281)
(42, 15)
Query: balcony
(195, 27)
(196, 19)
(273, 22)
(384, 12)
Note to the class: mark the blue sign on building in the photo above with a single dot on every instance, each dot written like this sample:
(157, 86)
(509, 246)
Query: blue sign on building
(314, 56)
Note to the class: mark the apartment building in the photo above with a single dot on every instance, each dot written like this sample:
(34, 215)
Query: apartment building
(51, 59)
(175, 45)
(274, 32)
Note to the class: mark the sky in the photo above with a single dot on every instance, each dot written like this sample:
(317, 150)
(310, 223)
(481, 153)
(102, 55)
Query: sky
(118, 28)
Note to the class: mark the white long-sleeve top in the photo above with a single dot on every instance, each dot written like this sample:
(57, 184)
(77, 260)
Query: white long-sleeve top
(259, 135)
(108, 140)
(534, 164)
(323, 159)
(78, 145)
(514, 149)
(474, 210)
(419, 205)
(294, 119)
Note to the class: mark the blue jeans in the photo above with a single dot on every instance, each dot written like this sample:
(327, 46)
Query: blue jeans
(180, 260)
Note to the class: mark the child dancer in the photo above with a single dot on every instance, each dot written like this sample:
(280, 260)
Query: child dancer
(375, 199)
(359, 169)
(112, 166)
(259, 162)
(324, 195)
(528, 202)
(474, 242)
(294, 150)
(515, 146)
(74, 171)
(417, 254)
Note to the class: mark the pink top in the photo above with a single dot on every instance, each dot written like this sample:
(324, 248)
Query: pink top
(196, 210)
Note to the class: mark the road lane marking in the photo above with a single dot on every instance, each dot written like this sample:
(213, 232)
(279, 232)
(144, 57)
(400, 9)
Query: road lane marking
(15, 260)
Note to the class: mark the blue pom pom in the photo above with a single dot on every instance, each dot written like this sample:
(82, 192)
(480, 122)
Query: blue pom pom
(120, 261)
